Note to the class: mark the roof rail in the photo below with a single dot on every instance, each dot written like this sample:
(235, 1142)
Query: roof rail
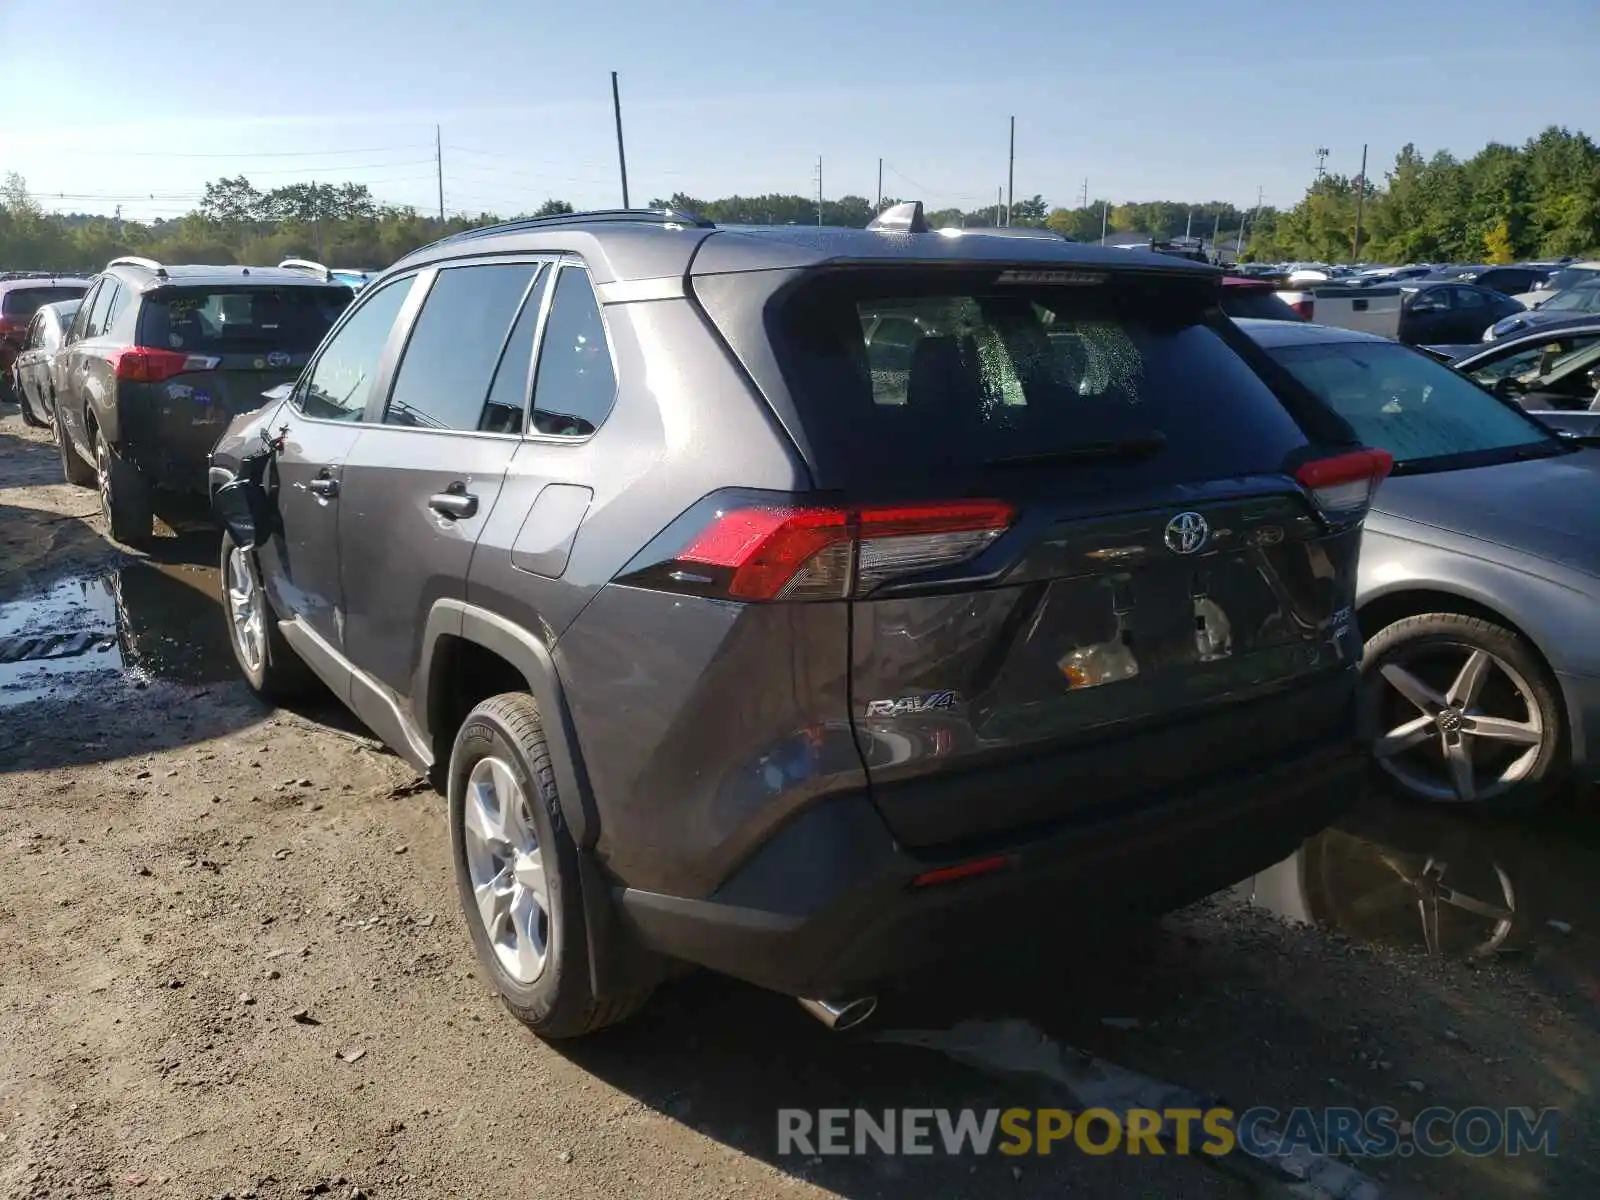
(133, 260)
(643, 216)
(305, 264)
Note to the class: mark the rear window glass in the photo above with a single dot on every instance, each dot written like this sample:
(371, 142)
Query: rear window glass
(893, 380)
(1402, 402)
(241, 320)
(19, 303)
(1260, 303)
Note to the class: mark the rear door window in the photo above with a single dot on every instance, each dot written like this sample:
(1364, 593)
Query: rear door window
(19, 303)
(102, 306)
(241, 320)
(980, 374)
(455, 345)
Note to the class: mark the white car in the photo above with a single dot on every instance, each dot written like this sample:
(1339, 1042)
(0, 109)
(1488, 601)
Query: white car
(1566, 277)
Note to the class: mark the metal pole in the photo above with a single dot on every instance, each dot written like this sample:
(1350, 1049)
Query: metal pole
(1011, 172)
(1105, 214)
(878, 208)
(1085, 191)
(438, 164)
(1361, 196)
(622, 156)
(819, 189)
(1215, 226)
(1188, 225)
(999, 205)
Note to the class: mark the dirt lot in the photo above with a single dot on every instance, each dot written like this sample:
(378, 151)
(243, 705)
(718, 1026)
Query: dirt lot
(231, 963)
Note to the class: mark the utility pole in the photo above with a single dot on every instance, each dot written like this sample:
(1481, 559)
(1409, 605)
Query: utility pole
(878, 208)
(1361, 196)
(1188, 225)
(1011, 172)
(1322, 157)
(1085, 203)
(999, 206)
(1260, 191)
(1216, 225)
(819, 189)
(438, 165)
(1105, 215)
(622, 157)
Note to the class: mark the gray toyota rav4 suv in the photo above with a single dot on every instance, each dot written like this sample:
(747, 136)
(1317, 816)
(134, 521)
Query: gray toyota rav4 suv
(808, 604)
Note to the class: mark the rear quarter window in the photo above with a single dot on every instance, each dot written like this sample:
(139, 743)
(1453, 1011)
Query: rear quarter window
(900, 374)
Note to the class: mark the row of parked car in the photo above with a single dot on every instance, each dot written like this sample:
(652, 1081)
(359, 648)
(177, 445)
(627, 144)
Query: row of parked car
(818, 605)
(1429, 304)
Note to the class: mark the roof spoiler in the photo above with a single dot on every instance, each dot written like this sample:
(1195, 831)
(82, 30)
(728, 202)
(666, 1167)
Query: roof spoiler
(901, 218)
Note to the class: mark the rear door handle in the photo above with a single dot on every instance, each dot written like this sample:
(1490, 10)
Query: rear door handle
(323, 486)
(454, 504)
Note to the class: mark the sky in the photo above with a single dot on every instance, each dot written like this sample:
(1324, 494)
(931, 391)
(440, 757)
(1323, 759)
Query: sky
(1146, 99)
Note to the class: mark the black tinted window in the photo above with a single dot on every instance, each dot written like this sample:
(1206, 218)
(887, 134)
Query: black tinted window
(20, 303)
(241, 320)
(1260, 303)
(453, 349)
(102, 305)
(576, 383)
(508, 394)
(1002, 371)
(1469, 298)
(337, 387)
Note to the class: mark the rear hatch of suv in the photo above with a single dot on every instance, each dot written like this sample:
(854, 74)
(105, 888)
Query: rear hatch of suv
(210, 351)
(1092, 558)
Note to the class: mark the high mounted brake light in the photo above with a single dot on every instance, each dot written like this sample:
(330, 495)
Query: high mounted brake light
(762, 552)
(1068, 278)
(1343, 487)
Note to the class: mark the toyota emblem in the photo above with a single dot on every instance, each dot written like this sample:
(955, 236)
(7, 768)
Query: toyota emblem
(1186, 533)
(278, 358)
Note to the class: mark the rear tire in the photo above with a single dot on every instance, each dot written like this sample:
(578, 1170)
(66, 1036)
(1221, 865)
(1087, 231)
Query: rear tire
(77, 472)
(510, 844)
(269, 664)
(124, 495)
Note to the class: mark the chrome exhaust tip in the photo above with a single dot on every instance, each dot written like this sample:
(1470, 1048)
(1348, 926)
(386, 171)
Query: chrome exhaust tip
(839, 1015)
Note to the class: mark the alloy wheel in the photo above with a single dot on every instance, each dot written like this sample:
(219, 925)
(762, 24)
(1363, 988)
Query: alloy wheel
(1462, 725)
(246, 610)
(505, 864)
(102, 472)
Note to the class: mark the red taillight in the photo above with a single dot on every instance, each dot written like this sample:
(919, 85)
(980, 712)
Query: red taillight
(806, 553)
(1304, 308)
(966, 870)
(145, 364)
(1343, 486)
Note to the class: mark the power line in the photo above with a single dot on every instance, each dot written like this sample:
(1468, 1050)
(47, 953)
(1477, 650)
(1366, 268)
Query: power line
(102, 153)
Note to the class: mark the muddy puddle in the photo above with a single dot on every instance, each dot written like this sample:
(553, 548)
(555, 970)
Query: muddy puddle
(1451, 884)
(138, 619)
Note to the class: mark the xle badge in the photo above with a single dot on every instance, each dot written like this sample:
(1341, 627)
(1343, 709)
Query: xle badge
(905, 705)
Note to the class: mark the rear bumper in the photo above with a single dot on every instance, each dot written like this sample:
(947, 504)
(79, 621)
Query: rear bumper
(827, 908)
(1582, 696)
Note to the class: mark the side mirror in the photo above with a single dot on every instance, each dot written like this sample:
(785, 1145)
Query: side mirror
(1509, 387)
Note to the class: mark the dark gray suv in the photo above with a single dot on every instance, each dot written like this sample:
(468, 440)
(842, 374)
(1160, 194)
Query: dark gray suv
(159, 359)
(808, 604)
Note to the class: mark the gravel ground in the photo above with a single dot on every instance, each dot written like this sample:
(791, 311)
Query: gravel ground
(231, 963)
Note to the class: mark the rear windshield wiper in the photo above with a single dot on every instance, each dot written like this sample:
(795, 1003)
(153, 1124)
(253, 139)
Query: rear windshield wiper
(1125, 449)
